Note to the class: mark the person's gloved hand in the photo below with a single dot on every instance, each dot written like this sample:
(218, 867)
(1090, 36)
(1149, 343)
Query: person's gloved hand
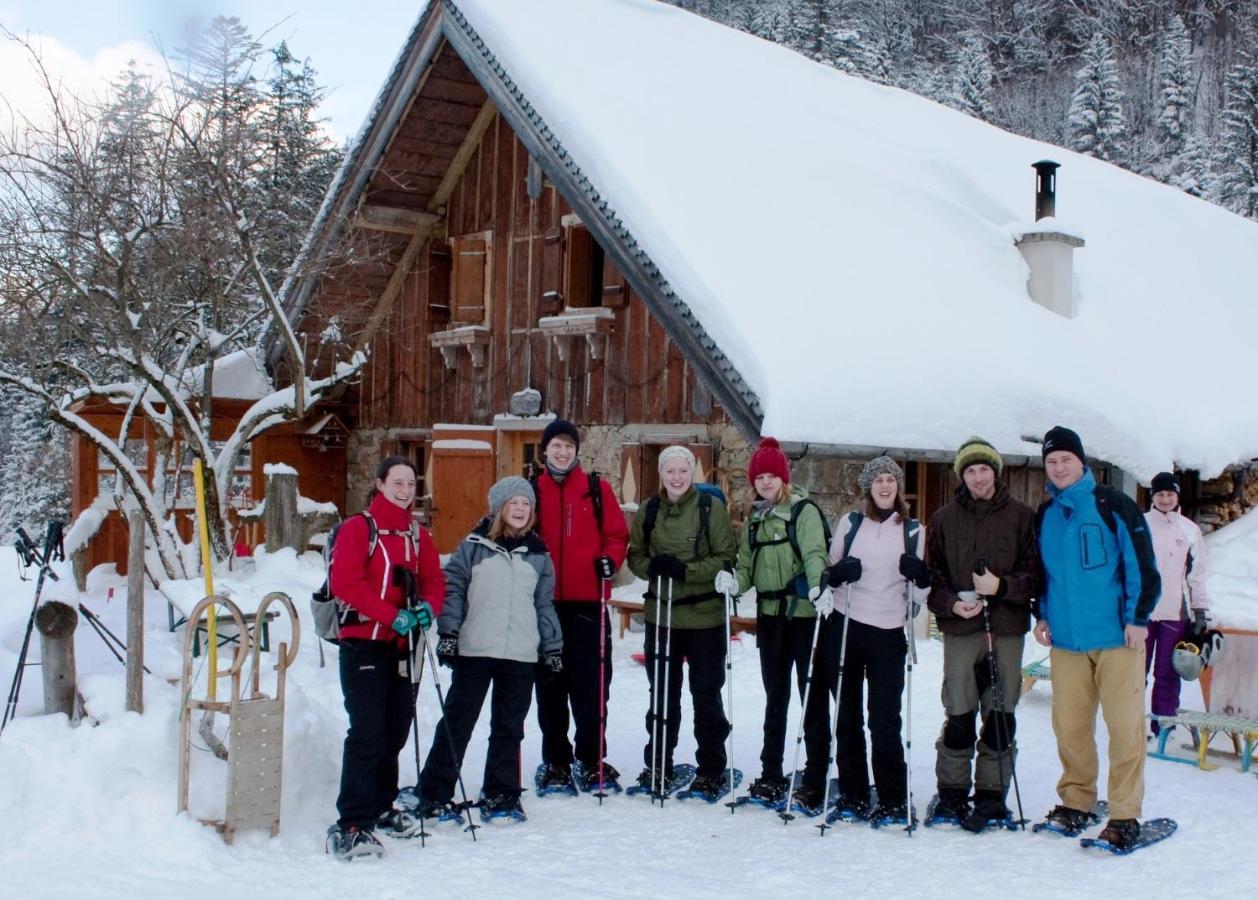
(423, 612)
(448, 650)
(604, 568)
(1200, 625)
(553, 663)
(845, 571)
(822, 601)
(665, 565)
(405, 621)
(915, 570)
(726, 582)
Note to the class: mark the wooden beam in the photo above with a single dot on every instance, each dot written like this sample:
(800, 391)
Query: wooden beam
(391, 290)
(397, 220)
(458, 165)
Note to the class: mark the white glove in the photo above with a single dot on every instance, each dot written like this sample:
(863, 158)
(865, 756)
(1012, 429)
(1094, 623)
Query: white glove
(726, 582)
(822, 601)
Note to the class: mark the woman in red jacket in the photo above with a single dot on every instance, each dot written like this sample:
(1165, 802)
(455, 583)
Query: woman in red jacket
(373, 550)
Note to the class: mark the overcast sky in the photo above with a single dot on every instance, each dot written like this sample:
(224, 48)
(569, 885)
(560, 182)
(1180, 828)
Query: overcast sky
(351, 43)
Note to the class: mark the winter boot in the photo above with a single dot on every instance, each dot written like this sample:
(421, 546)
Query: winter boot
(887, 813)
(769, 791)
(502, 806)
(395, 823)
(989, 809)
(709, 785)
(953, 805)
(808, 798)
(1121, 834)
(590, 781)
(851, 807)
(1071, 821)
(349, 842)
(556, 777)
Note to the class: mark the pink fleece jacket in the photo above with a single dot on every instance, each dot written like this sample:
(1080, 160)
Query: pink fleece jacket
(1177, 541)
(878, 598)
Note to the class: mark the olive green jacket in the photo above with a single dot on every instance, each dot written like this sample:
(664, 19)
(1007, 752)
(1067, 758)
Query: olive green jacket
(675, 532)
(772, 566)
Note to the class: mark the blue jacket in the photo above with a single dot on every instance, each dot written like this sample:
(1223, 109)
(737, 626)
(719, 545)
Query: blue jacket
(1099, 576)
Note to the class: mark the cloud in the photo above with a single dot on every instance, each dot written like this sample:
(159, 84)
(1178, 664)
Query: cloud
(25, 97)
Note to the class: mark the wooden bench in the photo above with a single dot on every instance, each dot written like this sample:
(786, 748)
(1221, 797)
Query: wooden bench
(1205, 725)
(625, 609)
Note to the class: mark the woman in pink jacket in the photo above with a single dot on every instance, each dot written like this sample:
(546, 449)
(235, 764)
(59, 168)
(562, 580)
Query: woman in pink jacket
(879, 578)
(1181, 556)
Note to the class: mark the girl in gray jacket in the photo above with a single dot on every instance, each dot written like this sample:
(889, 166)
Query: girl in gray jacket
(497, 622)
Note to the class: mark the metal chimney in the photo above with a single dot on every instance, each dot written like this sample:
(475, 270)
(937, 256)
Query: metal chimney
(1045, 188)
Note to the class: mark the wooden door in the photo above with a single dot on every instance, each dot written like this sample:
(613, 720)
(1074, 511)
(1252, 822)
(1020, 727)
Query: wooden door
(461, 471)
(519, 453)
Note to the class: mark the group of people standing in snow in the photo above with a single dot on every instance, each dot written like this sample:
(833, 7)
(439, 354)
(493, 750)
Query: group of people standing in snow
(520, 608)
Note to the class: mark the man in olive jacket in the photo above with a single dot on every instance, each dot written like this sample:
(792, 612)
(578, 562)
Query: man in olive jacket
(680, 539)
(982, 523)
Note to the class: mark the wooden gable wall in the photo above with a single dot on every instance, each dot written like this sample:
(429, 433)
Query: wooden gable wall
(642, 377)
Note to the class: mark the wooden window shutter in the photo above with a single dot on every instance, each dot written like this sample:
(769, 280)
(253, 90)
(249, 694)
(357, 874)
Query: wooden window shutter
(470, 280)
(615, 292)
(438, 275)
(578, 260)
(551, 301)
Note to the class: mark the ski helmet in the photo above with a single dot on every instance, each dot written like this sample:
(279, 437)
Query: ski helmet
(1186, 658)
(1212, 647)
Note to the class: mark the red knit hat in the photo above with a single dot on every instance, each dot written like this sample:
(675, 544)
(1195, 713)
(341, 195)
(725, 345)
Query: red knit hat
(769, 458)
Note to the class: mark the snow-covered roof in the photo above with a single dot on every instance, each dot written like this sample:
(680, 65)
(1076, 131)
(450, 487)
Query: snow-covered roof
(850, 247)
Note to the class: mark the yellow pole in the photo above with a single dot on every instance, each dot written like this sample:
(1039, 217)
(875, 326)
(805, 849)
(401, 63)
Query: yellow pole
(207, 569)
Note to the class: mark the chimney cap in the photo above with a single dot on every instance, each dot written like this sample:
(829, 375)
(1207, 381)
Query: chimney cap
(1045, 165)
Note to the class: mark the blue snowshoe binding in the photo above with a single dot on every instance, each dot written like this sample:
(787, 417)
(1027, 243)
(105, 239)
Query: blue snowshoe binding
(710, 790)
(680, 777)
(1121, 837)
(1069, 822)
(554, 781)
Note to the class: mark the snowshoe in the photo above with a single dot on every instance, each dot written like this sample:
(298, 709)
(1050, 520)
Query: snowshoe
(680, 777)
(397, 824)
(850, 809)
(1123, 836)
(350, 842)
(587, 780)
(769, 793)
(1071, 822)
(504, 807)
(554, 781)
(947, 808)
(808, 800)
(989, 811)
(409, 800)
(885, 815)
(710, 788)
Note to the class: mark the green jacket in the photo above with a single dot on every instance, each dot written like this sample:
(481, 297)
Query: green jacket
(675, 532)
(771, 567)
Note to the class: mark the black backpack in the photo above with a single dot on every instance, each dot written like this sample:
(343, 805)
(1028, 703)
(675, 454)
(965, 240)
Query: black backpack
(800, 586)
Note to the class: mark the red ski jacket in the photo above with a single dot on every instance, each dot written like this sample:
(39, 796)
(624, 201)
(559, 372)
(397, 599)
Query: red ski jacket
(571, 533)
(366, 585)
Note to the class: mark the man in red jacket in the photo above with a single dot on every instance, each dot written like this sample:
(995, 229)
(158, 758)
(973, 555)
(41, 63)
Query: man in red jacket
(587, 538)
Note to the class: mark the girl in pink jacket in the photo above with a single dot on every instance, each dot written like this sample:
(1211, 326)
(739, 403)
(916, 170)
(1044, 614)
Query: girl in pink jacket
(1181, 556)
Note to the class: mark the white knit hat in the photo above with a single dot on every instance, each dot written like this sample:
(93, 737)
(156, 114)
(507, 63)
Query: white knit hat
(676, 451)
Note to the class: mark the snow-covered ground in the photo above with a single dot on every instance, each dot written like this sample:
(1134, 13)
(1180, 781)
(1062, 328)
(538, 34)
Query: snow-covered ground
(90, 811)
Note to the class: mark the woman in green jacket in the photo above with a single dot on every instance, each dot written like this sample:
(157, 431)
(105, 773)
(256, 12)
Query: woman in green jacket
(681, 538)
(782, 553)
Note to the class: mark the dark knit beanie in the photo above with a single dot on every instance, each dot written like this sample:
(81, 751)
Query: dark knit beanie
(768, 458)
(558, 427)
(1059, 437)
(974, 451)
(1164, 481)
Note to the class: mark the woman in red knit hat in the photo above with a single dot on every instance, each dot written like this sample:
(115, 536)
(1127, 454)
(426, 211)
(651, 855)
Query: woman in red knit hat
(782, 554)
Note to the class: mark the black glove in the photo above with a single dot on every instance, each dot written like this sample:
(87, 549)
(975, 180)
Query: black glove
(1200, 625)
(448, 650)
(666, 566)
(553, 662)
(915, 570)
(844, 571)
(604, 568)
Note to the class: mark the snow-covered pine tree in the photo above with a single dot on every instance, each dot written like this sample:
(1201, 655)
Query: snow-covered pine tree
(34, 472)
(972, 81)
(1095, 121)
(1176, 96)
(1237, 159)
(1190, 170)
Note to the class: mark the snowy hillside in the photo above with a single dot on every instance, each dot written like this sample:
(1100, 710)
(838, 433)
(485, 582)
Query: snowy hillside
(89, 811)
(851, 247)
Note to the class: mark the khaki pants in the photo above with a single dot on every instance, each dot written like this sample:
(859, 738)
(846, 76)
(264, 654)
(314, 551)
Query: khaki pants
(1114, 679)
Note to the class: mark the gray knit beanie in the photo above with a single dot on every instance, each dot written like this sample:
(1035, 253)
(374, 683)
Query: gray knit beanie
(878, 466)
(504, 490)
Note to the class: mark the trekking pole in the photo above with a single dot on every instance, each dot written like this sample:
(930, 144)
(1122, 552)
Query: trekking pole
(604, 589)
(668, 667)
(786, 814)
(31, 554)
(656, 667)
(441, 701)
(998, 702)
(416, 678)
(111, 640)
(910, 657)
(729, 690)
(833, 718)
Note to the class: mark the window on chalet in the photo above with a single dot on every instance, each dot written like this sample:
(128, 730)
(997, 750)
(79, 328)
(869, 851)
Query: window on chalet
(436, 276)
(576, 273)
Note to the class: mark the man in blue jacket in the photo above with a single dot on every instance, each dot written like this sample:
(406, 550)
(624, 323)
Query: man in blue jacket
(1101, 585)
